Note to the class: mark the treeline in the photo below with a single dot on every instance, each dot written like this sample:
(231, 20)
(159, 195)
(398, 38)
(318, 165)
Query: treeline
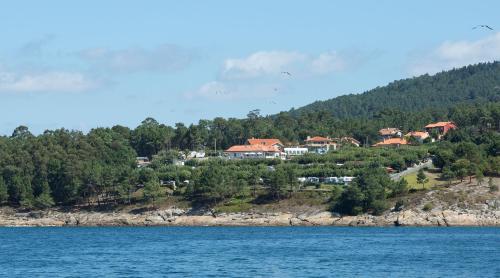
(63, 167)
(151, 137)
(471, 84)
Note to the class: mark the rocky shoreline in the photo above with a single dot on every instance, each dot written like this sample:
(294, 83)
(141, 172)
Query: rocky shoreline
(180, 217)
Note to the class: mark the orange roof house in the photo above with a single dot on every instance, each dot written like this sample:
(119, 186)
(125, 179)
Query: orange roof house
(319, 144)
(266, 142)
(391, 142)
(318, 139)
(441, 127)
(389, 132)
(252, 148)
(253, 151)
(420, 135)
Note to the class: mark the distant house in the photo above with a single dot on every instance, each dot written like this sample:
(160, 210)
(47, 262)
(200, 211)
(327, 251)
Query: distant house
(420, 136)
(318, 144)
(266, 142)
(295, 151)
(142, 161)
(390, 132)
(392, 142)
(349, 140)
(254, 151)
(441, 128)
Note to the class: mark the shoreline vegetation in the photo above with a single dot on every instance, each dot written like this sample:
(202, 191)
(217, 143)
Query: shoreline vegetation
(459, 204)
(155, 174)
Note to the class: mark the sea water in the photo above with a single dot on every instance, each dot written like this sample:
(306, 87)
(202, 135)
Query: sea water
(249, 252)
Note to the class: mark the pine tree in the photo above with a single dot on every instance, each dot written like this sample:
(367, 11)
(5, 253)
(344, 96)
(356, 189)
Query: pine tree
(44, 200)
(422, 178)
(4, 195)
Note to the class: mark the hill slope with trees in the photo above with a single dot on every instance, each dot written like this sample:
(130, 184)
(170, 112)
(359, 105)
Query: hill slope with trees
(471, 84)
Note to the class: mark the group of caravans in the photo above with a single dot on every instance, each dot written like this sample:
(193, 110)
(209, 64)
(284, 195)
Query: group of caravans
(327, 180)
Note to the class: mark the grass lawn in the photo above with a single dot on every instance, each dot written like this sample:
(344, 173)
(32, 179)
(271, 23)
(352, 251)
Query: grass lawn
(235, 205)
(433, 181)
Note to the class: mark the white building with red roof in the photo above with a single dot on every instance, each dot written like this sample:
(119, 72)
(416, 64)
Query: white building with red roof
(318, 144)
(253, 151)
(440, 127)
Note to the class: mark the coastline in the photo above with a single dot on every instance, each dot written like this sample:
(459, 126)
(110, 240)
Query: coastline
(179, 217)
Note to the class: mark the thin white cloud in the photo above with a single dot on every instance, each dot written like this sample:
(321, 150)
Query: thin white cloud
(262, 63)
(53, 81)
(451, 54)
(261, 74)
(272, 63)
(164, 58)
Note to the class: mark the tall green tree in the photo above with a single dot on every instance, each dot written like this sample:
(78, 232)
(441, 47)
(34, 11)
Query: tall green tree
(422, 178)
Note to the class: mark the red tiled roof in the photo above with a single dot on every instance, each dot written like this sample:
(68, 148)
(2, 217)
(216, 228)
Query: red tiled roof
(388, 131)
(318, 139)
(392, 141)
(267, 142)
(439, 124)
(420, 134)
(253, 148)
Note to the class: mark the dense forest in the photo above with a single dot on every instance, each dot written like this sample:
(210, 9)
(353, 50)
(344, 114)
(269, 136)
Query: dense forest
(471, 84)
(63, 167)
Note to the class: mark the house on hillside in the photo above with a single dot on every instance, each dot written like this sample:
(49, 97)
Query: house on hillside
(420, 136)
(391, 142)
(266, 142)
(259, 151)
(390, 132)
(320, 145)
(347, 140)
(441, 128)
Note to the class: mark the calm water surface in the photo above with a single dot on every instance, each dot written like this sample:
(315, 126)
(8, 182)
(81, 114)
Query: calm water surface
(249, 252)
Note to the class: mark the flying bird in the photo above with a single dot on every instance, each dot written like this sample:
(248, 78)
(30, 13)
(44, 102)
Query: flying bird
(482, 26)
(273, 102)
(287, 73)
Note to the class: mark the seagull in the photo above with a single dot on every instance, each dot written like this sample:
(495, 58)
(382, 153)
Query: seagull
(273, 102)
(482, 26)
(275, 89)
(287, 73)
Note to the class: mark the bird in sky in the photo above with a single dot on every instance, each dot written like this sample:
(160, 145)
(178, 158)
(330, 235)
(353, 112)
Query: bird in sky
(273, 102)
(287, 73)
(482, 26)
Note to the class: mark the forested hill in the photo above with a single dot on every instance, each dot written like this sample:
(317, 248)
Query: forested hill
(474, 83)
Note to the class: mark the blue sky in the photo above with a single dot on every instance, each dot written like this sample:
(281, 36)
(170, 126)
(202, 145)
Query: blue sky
(101, 63)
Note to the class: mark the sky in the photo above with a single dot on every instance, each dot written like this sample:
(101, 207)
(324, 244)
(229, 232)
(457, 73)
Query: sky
(87, 64)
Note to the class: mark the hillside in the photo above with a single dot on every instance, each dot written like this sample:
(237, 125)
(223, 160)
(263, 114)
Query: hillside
(471, 84)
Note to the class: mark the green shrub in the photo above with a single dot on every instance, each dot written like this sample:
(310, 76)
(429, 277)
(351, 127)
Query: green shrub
(428, 207)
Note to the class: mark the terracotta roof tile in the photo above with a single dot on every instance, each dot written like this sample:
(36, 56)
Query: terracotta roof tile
(392, 141)
(439, 124)
(253, 148)
(318, 139)
(267, 142)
